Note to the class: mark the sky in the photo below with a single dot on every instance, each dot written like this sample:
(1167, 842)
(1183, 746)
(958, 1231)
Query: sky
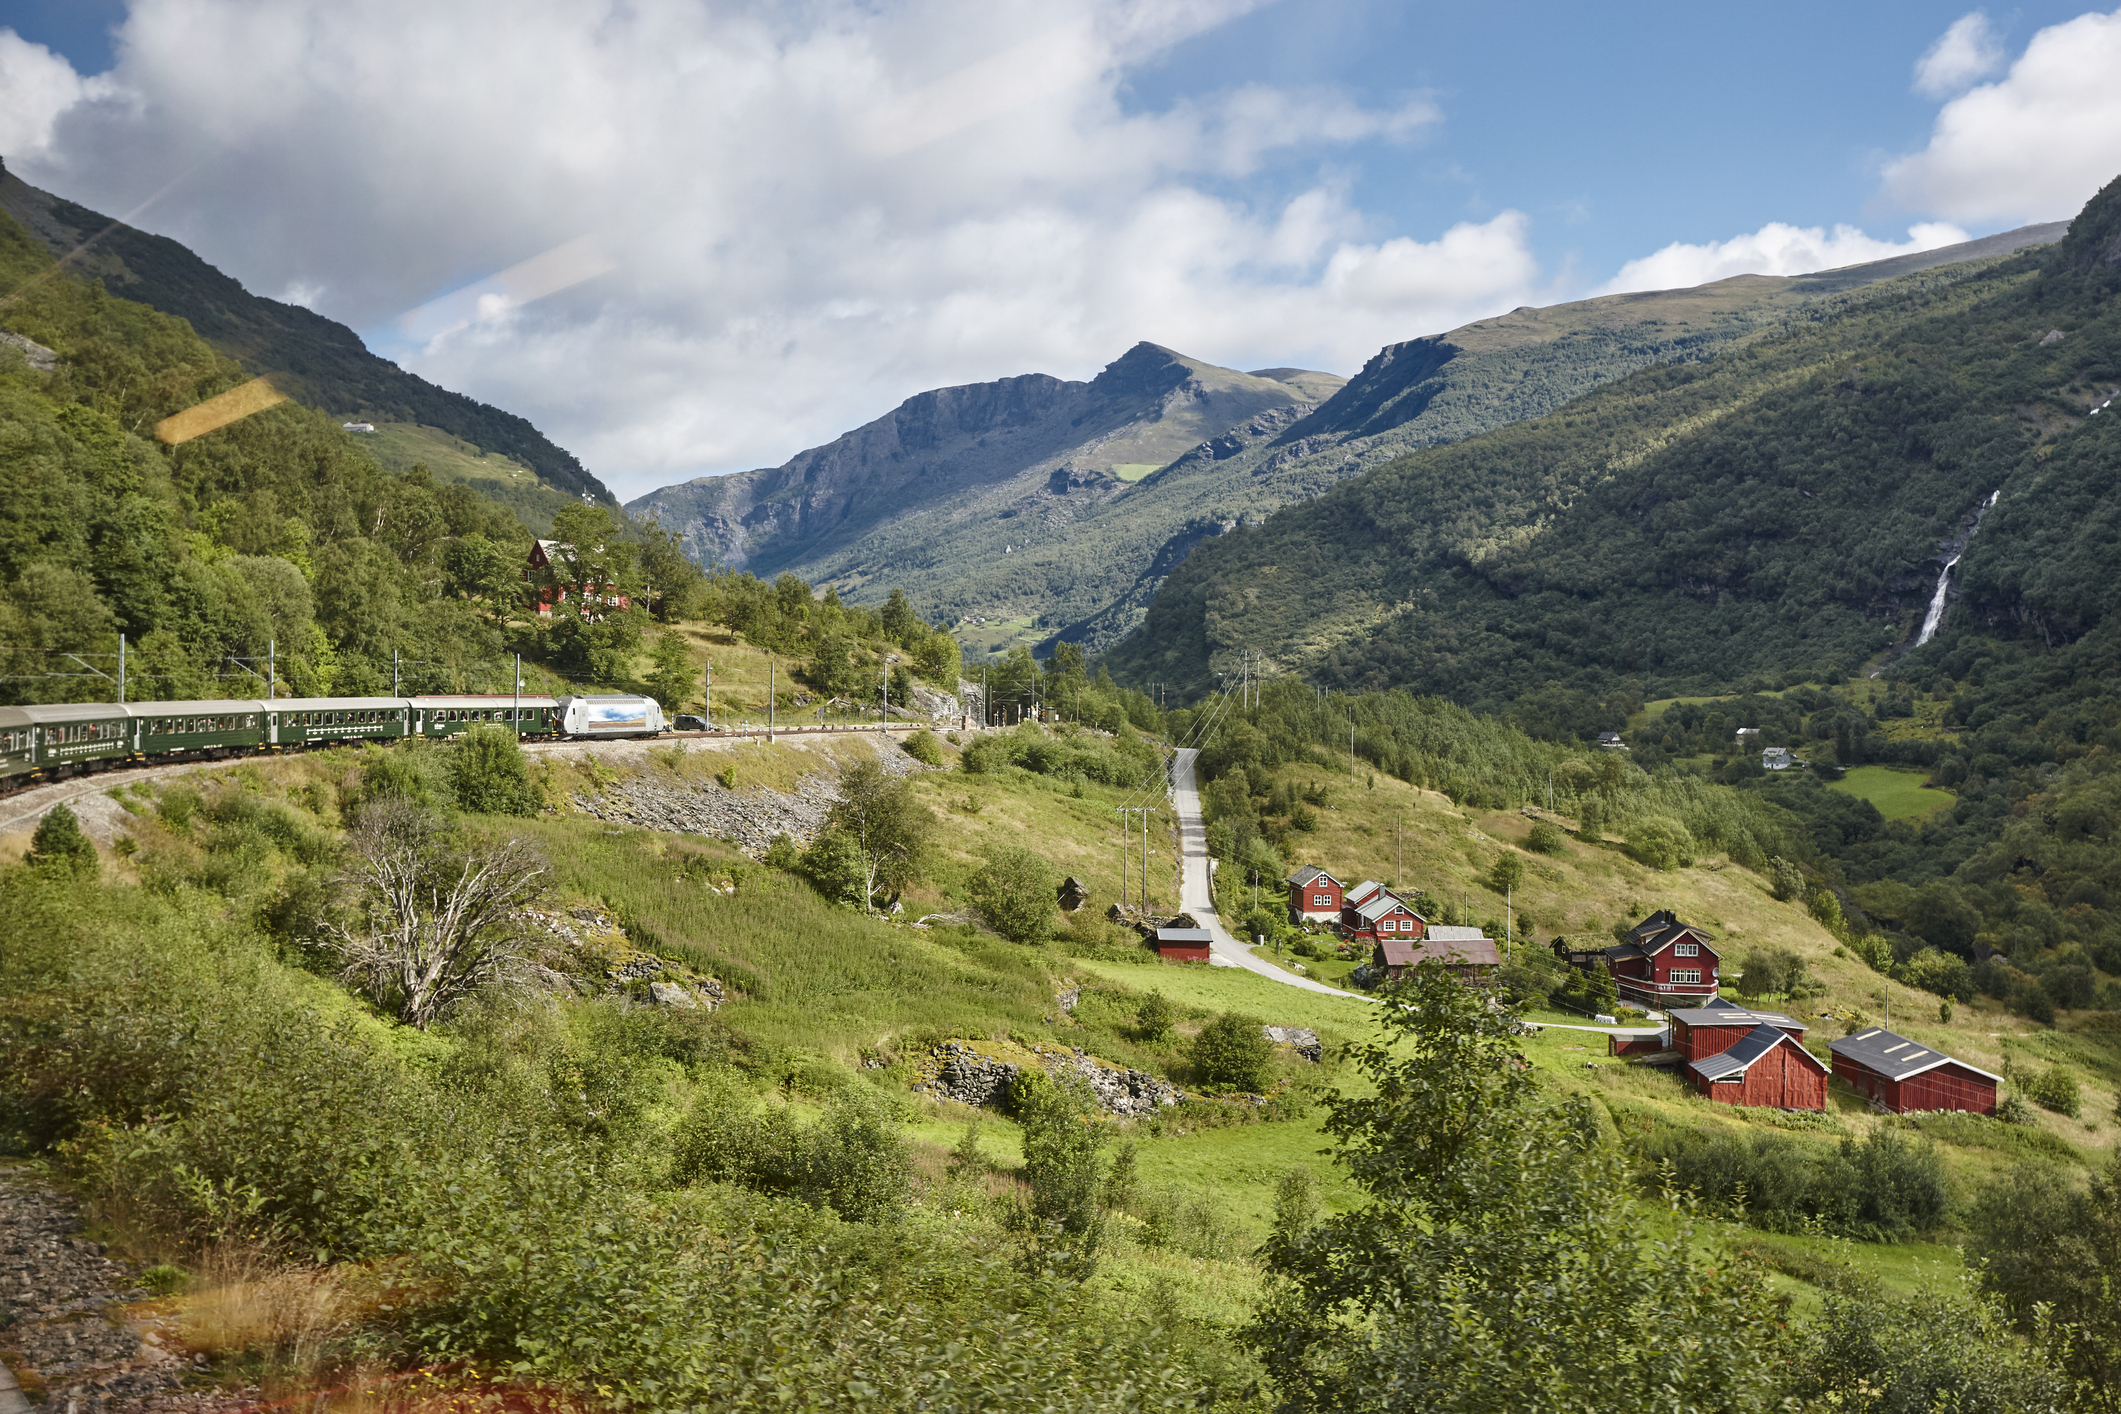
(688, 238)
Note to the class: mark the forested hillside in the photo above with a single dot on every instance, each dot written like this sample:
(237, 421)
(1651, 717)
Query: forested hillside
(315, 360)
(277, 534)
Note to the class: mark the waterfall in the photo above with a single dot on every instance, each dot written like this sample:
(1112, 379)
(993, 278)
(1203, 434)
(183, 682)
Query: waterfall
(1935, 615)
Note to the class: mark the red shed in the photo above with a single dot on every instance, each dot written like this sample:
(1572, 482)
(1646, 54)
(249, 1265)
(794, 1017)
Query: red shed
(1767, 1067)
(1183, 944)
(1902, 1075)
(1315, 895)
(1701, 1032)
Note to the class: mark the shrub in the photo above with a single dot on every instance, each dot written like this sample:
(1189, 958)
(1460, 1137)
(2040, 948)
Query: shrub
(923, 747)
(488, 774)
(1063, 1223)
(1152, 1020)
(1013, 892)
(834, 863)
(1787, 878)
(1826, 907)
(1508, 873)
(60, 846)
(1546, 838)
(1770, 969)
(2054, 1089)
(1590, 821)
(852, 1160)
(1938, 972)
(1930, 1350)
(1233, 1051)
(1881, 1189)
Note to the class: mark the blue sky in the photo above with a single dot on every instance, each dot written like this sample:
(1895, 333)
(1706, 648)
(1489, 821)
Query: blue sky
(688, 238)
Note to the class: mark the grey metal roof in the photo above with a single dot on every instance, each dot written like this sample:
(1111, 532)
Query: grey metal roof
(202, 707)
(1184, 935)
(339, 704)
(1751, 1047)
(1895, 1056)
(1302, 877)
(1731, 1016)
(1362, 890)
(74, 711)
(1662, 928)
(1452, 933)
(1384, 902)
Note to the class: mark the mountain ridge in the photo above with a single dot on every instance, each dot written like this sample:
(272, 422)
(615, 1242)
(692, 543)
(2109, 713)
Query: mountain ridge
(315, 360)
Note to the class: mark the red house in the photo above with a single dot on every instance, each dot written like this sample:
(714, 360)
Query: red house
(1314, 896)
(1701, 1032)
(1899, 1075)
(1183, 944)
(1664, 963)
(1767, 1067)
(1380, 914)
(552, 571)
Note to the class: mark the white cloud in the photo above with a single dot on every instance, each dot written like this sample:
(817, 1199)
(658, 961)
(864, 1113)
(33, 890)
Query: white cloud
(2032, 146)
(1774, 249)
(1969, 50)
(38, 86)
(807, 212)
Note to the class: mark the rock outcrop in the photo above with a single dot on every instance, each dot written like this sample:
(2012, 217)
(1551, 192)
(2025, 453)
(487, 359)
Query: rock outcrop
(956, 1071)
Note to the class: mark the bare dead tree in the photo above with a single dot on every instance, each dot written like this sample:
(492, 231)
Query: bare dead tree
(429, 920)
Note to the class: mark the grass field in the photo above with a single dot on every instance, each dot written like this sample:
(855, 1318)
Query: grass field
(1133, 471)
(1899, 795)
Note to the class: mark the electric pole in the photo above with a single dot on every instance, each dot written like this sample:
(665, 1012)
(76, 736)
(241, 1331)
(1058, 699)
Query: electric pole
(706, 693)
(1122, 813)
(515, 710)
(394, 674)
(769, 697)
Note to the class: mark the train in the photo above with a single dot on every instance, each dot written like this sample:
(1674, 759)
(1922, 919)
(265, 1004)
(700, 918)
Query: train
(53, 740)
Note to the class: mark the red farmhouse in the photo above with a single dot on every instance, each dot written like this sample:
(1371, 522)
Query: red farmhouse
(549, 571)
(1374, 912)
(1664, 963)
(1183, 944)
(1767, 1067)
(1314, 896)
(1899, 1075)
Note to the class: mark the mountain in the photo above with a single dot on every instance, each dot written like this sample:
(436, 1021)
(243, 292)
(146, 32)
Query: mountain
(1101, 550)
(312, 359)
(956, 493)
(1784, 507)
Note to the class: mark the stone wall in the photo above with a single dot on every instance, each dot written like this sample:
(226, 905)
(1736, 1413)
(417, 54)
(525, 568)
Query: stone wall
(956, 1071)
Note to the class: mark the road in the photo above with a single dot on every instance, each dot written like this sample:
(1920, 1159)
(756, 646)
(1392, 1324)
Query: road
(1196, 898)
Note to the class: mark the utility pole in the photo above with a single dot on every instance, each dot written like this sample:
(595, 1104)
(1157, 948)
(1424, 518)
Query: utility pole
(1399, 857)
(706, 692)
(272, 666)
(515, 710)
(1509, 918)
(1351, 745)
(1122, 813)
(883, 693)
(1145, 860)
(769, 697)
(394, 674)
(986, 712)
(121, 667)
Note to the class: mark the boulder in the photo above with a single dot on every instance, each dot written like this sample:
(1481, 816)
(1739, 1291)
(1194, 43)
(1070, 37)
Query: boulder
(671, 994)
(1072, 894)
(1302, 1038)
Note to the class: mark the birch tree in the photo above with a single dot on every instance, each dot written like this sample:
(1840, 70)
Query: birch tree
(877, 814)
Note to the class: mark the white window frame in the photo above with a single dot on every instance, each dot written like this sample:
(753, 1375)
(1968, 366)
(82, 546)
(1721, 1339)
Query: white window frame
(1686, 950)
(1685, 975)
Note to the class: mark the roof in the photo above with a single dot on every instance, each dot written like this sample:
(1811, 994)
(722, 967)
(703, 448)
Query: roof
(87, 711)
(1302, 878)
(334, 704)
(1728, 1015)
(1451, 933)
(1751, 1047)
(1621, 952)
(1894, 1056)
(1362, 891)
(1189, 937)
(1663, 928)
(1384, 902)
(482, 699)
(1475, 951)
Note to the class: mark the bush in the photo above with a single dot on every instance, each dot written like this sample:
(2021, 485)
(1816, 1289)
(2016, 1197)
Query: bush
(1546, 838)
(1922, 1352)
(2054, 1089)
(834, 863)
(1063, 1224)
(1881, 1189)
(1014, 894)
(488, 774)
(1153, 1019)
(60, 846)
(1508, 873)
(1770, 969)
(853, 1160)
(1233, 1052)
(1938, 972)
(1787, 878)
(924, 748)
(1590, 821)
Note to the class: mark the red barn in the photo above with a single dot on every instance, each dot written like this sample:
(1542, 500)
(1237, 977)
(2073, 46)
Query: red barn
(1314, 896)
(1380, 914)
(1900, 1075)
(1183, 944)
(1700, 1032)
(1664, 963)
(1472, 957)
(1767, 1067)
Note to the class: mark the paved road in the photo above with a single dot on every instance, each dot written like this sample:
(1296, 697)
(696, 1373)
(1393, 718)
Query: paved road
(1196, 898)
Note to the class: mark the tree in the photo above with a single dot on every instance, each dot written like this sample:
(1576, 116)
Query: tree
(901, 625)
(673, 678)
(1233, 1051)
(59, 844)
(428, 920)
(1014, 894)
(488, 774)
(1496, 1263)
(1661, 842)
(1787, 878)
(1508, 873)
(1590, 821)
(887, 828)
(2039, 1241)
(1153, 1018)
(1770, 968)
(939, 659)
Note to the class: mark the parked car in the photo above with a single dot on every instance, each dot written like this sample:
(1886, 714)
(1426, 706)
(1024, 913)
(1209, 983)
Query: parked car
(687, 722)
